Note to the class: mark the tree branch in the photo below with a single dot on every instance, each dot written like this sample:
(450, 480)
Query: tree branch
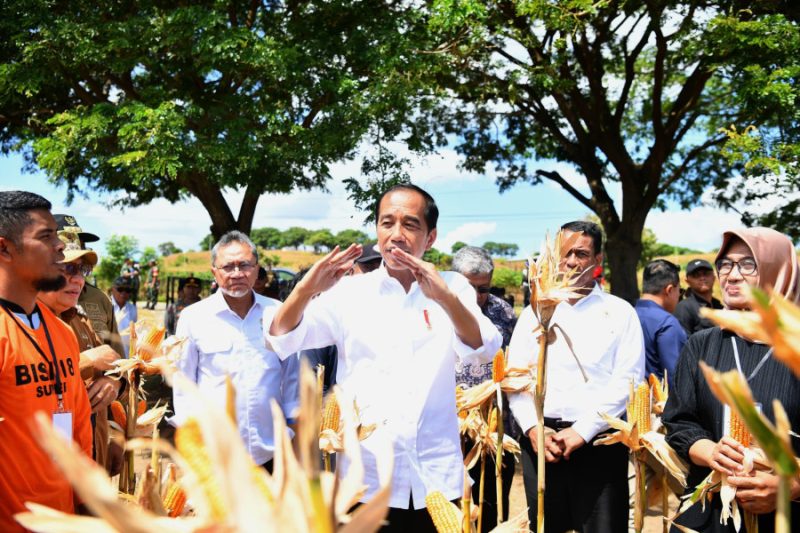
(556, 177)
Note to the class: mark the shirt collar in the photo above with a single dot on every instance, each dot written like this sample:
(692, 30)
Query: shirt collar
(218, 303)
(596, 292)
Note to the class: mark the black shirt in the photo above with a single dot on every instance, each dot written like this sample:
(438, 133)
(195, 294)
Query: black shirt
(688, 312)
(693, 412)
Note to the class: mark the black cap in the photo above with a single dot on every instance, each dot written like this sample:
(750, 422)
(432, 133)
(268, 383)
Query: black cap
(191, 280)
(122, 282)
(369, 253)
(69, 223)
(698, 264)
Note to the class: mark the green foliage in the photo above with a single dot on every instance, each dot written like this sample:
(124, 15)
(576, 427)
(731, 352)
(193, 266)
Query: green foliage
(148, 254)
(501, 249)
(268, 238)
(168, 248)
(457, 246)
(118, 248)
(320, 240)
(366, 197)
(294, 237)
(207, 243)
(440, 259)
(171, 100)
(506, 278)
(347, 237)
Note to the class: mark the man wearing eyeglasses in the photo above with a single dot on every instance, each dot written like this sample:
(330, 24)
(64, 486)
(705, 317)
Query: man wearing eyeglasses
(700, 278)
(125, 311)
(225, 338)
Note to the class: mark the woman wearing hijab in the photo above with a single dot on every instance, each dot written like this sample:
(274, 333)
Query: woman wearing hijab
(695, 419)
(96, 357)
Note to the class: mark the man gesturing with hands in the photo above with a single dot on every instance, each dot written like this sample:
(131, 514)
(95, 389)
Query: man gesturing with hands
(399, 331)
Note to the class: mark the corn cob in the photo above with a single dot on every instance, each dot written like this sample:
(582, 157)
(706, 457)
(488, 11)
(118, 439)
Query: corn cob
(174, 500)
(642, 408)
(737, 430)
(147, 346)
(498, 367)
(445, 515)
(189, 441)
(118, 414)
(331, 414)
(659, 392)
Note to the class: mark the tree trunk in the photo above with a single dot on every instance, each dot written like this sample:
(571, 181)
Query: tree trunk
(623, 249)
(222, 219)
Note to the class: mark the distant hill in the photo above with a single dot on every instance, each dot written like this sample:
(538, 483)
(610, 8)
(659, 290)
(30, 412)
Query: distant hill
(199, 263)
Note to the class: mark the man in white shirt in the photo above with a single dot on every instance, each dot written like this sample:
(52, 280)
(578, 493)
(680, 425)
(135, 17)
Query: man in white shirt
(125, 311)
(397, 349)
(225, 338)
(586, 486)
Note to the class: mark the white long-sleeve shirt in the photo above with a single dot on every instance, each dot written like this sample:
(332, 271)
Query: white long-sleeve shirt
(220, 343)
(607, 339)
(400, 368)
(125, 316)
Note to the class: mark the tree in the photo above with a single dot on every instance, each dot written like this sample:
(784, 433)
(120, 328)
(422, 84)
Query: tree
(207, 243)
(346, 237)
(294, 237)
(170, 100)
(501, 249)
(631, 94)
(148, 254)
(168, 248)
(268, 238)
(440, 259)
(457, 246)
(118, 248)
(320, 240)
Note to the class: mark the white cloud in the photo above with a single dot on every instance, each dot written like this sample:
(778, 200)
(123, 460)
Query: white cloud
(700, 228)
(470, 233)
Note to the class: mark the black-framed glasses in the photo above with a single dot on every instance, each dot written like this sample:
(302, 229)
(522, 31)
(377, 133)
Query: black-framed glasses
(230, 268)
(73, 269)
(747, 266)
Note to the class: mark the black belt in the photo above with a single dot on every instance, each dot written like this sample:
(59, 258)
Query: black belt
(557, 423)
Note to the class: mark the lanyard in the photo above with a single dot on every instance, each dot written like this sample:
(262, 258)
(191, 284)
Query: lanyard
(59, 388)
(739, 363)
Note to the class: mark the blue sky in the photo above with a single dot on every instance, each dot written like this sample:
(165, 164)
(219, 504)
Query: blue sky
(471, 209)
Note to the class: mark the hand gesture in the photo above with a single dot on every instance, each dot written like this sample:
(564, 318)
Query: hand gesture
(102, 357)
(757, 493)
(568, 440)
(552, 450)
(727, 456)
(329, 270)
(430, 282)
(102, 392)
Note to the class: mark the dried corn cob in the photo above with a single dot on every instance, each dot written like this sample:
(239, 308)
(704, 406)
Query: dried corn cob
(493, 420)
(445, 515)
(331, 415)
(738, 431)
(174, 500)
(118, 414)
(148, 344)
(189, 441)
(642, 408)
(498, 367)
(659, 390)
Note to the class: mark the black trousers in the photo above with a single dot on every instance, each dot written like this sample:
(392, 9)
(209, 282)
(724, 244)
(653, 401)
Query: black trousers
(588, 493)
(490, 489)
(408, 520)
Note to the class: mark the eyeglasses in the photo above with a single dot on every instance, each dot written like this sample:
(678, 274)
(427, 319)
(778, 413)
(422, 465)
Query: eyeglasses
(747, 266)
(73, 269)
(123, 289)
(230, 268)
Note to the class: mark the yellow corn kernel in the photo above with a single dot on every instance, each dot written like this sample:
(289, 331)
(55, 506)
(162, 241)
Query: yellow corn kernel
(174, 500)
(189, 441)
(738, 431)
(493, 420)
(118, 414)
(331, 415)
(148, 345)
(498, 367)
(659, 393)
(642, 408)
(445, 515)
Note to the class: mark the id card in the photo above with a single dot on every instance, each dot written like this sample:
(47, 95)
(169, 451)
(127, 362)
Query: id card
(63, 424)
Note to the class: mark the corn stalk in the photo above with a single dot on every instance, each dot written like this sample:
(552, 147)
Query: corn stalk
(480, 492)
(538, 397)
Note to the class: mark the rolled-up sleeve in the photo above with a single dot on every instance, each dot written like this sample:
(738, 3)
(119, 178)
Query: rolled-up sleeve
(520, 355)
(491, 340)
(319, 327)
(628, 367)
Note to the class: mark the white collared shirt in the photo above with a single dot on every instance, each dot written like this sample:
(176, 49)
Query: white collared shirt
(220, 343)
(400, 368)
(125, 316)
(607, 339)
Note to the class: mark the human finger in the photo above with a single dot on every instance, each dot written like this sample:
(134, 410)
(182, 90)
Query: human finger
(343, 256)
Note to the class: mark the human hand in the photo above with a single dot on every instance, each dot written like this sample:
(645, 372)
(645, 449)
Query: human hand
(428, 278)
(727, 456)
(757, 493)
(552, 450)
(102, 392)
(326, 272)
(568, 440)
(102, 357)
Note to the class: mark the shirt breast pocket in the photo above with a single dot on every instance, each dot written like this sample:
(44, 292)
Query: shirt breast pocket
(216, 355)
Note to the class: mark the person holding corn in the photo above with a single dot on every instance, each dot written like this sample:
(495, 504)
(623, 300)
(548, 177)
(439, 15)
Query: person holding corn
(397, 349)
(699, 427)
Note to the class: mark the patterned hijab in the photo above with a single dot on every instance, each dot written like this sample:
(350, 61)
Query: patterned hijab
(776, 259)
